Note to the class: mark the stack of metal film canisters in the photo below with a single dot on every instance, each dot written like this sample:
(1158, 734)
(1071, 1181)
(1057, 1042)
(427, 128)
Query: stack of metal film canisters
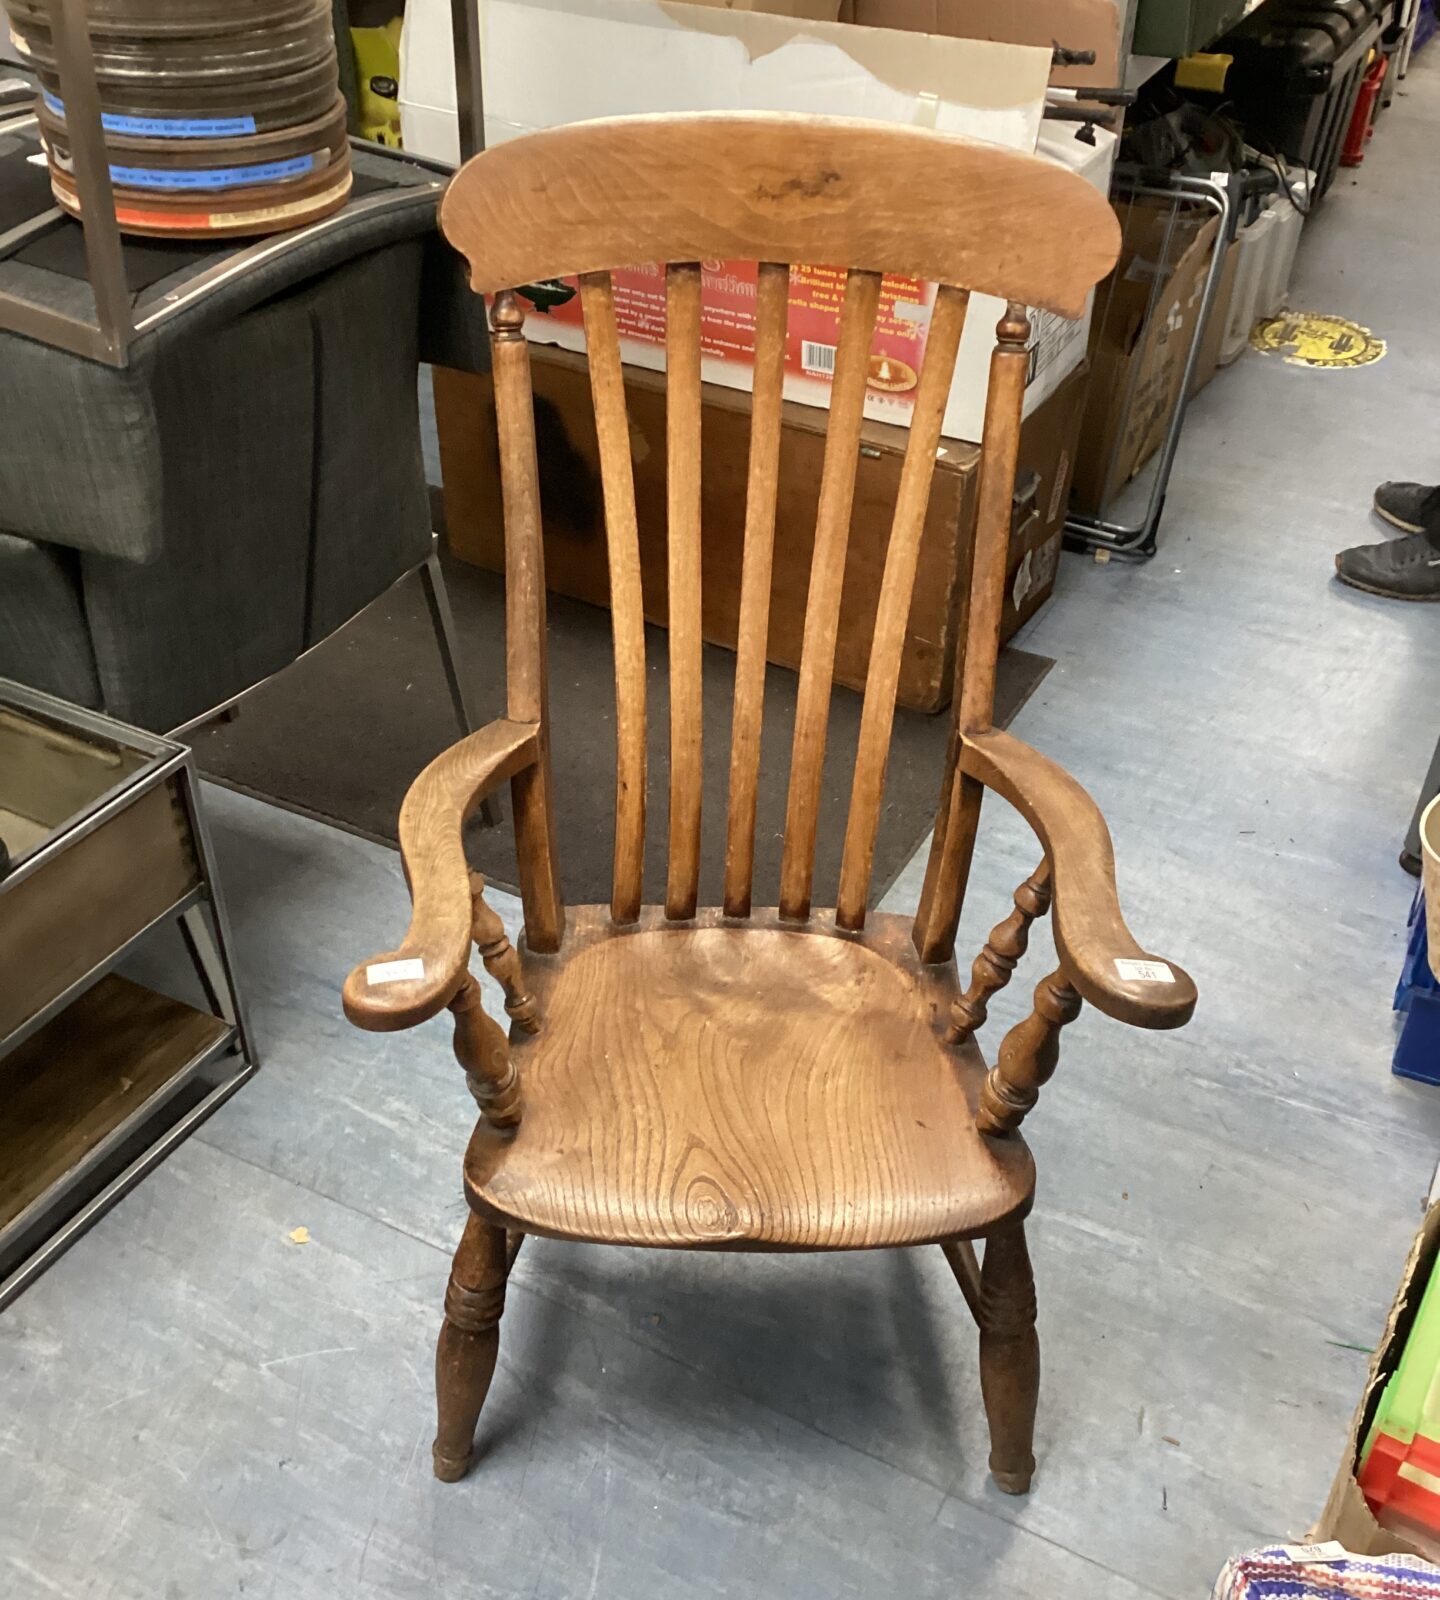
(220, 117)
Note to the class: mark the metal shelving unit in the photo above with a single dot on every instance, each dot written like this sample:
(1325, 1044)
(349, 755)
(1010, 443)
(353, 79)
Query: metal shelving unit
(101, 1077)
(1100, 530)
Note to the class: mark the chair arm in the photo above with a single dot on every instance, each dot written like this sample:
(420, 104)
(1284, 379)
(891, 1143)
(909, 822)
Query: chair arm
(1090, 933)
(432, 818)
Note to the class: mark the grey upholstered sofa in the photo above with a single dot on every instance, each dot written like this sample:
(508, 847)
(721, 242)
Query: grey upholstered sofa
(173, 531)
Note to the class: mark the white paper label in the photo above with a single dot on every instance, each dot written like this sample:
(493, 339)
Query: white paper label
(1144, 971)
(395, 971)
(1304, 1555)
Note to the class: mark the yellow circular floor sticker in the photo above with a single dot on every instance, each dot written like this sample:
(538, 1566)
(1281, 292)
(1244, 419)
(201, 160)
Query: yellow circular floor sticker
(1316, 339)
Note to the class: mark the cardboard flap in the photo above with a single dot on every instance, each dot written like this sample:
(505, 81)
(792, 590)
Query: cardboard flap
(810, 10)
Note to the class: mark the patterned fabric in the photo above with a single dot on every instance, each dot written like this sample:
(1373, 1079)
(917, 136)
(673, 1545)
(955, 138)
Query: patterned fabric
(1279, 1573)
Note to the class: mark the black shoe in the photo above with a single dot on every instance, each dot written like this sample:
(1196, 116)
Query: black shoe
(1402, 569)
(1411, 507)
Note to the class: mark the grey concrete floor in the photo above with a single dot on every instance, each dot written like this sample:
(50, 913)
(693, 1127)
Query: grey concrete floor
(195, 1406)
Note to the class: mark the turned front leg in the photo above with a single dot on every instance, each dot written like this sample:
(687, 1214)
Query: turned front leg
(469, 1343)
(996, 963)
(1028, 1056)
(483, 1050)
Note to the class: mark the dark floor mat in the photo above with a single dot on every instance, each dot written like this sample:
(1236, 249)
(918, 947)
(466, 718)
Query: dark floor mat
(342, 733)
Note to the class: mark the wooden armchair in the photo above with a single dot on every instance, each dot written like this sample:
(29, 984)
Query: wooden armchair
(725, 1077)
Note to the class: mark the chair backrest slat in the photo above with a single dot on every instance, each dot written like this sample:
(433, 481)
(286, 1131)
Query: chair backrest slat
(750, 186)
(682, 493)
(893, 610)
(827, 577)
(772, 293)
(627, 605)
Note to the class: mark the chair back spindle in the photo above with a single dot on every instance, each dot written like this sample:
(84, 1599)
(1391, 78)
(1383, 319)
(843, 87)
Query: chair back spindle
(897, 586)
(827, 577)
(627, 605)
(682, 492)
(772, 293)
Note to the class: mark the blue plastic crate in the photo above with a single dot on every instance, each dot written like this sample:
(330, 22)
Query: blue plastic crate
(1417, 996)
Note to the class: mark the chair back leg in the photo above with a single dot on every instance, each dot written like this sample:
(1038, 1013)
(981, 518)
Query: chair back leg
(1009, 1358)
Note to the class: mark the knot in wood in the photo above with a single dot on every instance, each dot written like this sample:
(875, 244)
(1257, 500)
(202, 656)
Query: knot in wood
(709, 1211)
(474, 1310)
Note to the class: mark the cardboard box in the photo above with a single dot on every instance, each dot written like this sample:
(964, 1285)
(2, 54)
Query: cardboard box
(575, 546)
(1137, 363)
(1346, 1516)
(813, 10)
(1049, 443)
(566, 60)
(550, 62)
(1104, 26)
(575, 549)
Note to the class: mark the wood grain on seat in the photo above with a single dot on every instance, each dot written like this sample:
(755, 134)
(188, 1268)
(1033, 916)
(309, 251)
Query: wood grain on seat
(745, 1084)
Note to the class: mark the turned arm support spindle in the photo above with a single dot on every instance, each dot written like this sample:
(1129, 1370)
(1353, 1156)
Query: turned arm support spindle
(995, 965)
(481, 1046)
(502, 960)
(1028, 1056)
(483, 1050)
